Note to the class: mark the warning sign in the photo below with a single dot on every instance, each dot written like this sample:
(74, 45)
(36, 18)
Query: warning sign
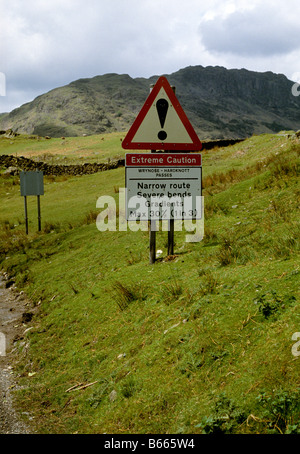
(162, 124)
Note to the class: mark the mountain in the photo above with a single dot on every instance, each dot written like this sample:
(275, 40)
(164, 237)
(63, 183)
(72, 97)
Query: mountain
(220, 103)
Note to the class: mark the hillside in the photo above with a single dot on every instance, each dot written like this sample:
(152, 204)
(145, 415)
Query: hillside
(220, 103)
(201, 342)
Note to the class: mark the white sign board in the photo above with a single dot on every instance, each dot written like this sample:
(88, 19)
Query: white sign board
(163, 186)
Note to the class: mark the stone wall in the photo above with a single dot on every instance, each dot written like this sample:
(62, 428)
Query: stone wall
(15, 164)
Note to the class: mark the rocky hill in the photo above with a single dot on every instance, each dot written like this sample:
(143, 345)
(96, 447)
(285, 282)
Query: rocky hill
(220, 103)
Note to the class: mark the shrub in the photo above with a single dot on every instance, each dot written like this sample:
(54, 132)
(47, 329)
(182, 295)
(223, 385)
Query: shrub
(51, 227)
(128, 388)
(124, 295)
(172, 290)
(270, 303)
(281, 411)
(227, 253)
(209, 283)
(210, 236)
(90, 217)
(224, 419)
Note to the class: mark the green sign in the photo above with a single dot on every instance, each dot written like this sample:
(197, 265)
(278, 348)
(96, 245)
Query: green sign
(32, 183)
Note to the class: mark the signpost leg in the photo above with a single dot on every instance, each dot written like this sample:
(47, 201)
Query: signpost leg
(171, 237)
(39, 212)
(26, 216)
(152, 238)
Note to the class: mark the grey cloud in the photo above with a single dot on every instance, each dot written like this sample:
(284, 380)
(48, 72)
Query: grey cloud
(49, 44)
(55, 43)
(260, 32)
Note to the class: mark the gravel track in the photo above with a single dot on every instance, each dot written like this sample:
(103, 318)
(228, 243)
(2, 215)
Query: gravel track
(13, 306)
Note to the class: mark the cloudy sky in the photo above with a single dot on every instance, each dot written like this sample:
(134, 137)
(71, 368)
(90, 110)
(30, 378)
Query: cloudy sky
(48, 43)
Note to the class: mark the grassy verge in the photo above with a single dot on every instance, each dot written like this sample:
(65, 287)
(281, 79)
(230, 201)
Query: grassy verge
(197, 344)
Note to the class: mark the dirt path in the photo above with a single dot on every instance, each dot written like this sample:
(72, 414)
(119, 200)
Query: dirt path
(13, 310)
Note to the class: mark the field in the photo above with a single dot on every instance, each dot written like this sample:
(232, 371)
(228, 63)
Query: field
(200, 342)
(69, 150)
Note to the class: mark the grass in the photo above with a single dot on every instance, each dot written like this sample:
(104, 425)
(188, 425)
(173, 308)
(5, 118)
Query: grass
(69, 150)
(197, 344)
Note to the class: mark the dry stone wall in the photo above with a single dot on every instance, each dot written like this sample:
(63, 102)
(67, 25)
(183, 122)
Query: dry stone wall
(14, 164)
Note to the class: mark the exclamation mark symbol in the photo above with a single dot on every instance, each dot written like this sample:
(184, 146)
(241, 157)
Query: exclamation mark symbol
(162, 106)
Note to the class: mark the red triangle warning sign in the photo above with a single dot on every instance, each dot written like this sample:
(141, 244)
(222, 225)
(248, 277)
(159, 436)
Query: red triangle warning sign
(162, 123)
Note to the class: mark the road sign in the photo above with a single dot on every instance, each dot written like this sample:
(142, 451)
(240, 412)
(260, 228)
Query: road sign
(162, 123)
(31, 183)
(163, 186)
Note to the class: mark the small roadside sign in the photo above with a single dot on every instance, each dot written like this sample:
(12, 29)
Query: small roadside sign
(32, 183)
(162, 123)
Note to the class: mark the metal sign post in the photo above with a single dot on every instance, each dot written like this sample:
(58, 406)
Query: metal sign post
(171, 237)
(26, 215)
(39, 213)
(32, 183)
(152, 242)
